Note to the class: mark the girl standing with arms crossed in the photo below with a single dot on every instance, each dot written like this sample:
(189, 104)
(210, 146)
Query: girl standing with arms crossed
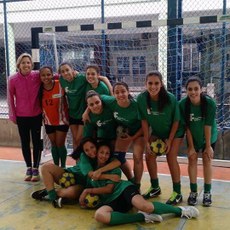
(25, 111)
(55, 114)
(159, 111)
(198, 116)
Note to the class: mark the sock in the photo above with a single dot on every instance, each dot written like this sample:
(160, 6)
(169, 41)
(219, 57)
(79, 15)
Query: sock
(54, 152)
(177, 187)
(125, 218)
(62, 152)
(52, 194)
(193, 187)
(138, 186)
(161, 208)
(207, 188)
(155, 183)
(132, 180)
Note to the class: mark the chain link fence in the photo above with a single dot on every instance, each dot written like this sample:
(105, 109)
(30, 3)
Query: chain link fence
(127, 39)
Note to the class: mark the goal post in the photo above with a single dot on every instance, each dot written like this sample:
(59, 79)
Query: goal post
(135, 47)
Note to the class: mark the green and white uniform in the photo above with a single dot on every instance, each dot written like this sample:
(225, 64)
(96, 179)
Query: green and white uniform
(75, 91)
(126, 117)
(103, 125)
(118, 217)
(119, 187)
(102, 88)
(197, 123)
(81, 169)
(160, 122)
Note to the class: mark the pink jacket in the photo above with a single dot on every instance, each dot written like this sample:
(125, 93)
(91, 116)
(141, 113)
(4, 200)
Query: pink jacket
(22, 95)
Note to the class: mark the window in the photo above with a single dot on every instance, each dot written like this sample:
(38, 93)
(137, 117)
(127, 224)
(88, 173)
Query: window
(139, 66)
(79, 57)
(122, 67)
(191, 58)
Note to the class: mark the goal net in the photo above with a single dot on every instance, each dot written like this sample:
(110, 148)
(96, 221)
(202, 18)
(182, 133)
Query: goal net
(129, 54)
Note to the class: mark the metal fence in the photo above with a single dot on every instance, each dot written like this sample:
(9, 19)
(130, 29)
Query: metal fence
(126, 38)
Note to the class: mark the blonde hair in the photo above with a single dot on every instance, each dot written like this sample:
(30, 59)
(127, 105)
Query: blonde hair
(19, 60)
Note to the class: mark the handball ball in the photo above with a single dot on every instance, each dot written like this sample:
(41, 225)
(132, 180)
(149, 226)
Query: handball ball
(158, 146)
(122, 131)
(92, 200)
(67, 180)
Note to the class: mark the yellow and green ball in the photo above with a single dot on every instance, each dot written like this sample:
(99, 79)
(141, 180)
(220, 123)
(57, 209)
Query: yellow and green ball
(67, 180)
(158, 146)
(92, 200)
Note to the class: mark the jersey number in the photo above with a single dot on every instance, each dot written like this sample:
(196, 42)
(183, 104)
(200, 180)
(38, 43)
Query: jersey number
(49, 102)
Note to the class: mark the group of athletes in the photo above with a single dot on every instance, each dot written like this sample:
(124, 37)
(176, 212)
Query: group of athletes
(93, 109)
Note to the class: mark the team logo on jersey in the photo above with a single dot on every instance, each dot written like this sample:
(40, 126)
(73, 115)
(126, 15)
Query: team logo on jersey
(154, 113)
(57, 95)
(102, 123)
(116, 116)
(69, 91)
(193, 118)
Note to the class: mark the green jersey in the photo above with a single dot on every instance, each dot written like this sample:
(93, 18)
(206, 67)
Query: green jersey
(81, 169)
(86, 164)
(197, 123)
(119, 187)
(126, 117)
(102, 125)
(160, 121)
(102, 88)
(75, 92)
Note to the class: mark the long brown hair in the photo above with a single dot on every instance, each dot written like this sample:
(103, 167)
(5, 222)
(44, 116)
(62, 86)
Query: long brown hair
(163, 94)
(203, 101)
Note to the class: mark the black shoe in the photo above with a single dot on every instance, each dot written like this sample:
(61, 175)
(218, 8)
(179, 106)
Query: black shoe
(152, 192)
(67, 201)
(175, 199)
(57, 203)
(192, 199)
(39, 195)
(207, 199)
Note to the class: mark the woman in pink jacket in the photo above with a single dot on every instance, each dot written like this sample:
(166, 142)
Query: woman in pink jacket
(25, 111)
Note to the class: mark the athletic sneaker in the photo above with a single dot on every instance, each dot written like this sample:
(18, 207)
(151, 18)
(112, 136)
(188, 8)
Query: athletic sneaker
(189, 212)
(152, 192)
(207, 199)
(40, 195)
(35, 175)
(192, 199)
(68, 201)
(57, 203)
(28, 175)
(175, 199)
(151, 218)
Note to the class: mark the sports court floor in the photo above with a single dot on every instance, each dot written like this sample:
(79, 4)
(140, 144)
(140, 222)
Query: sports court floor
(20, 212)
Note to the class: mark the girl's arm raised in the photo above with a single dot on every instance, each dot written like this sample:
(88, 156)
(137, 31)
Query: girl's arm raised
(107, 82)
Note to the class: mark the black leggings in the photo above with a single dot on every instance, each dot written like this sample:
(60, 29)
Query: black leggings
(27, 126)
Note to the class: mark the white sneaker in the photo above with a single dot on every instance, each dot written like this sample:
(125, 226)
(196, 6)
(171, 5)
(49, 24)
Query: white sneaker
(151, 218)
(189, 212)
(57, 203)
